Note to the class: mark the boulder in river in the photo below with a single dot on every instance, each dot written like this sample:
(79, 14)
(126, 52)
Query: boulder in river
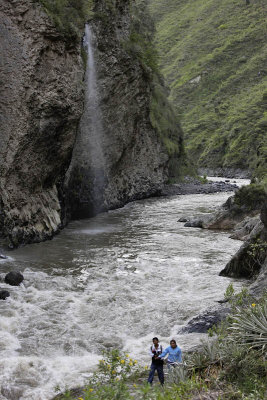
(14, 278)
(3, 257)
(204, 321)
(195, 223)
(183, 219)
(4, 294)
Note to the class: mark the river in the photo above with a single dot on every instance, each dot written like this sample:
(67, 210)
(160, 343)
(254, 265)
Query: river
(114, 280)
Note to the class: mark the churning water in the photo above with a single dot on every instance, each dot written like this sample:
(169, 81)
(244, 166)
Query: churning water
(114, 280)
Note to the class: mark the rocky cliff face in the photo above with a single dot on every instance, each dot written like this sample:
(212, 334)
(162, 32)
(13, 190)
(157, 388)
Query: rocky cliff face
(251, 258)
(41, 101)
(134, 160)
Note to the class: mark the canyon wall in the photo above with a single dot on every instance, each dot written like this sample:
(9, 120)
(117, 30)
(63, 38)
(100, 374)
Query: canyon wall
(41, 104)
(49, 171)
(133, 160)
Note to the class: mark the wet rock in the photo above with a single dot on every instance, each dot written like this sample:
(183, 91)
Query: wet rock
(182, 219)
(196, 223)
(204, 321)
(4, 294)
(14, 278)
(3, 257)
(223, 301)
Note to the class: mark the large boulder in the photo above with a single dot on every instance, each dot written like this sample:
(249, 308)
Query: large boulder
(204, 321)
(14, 278)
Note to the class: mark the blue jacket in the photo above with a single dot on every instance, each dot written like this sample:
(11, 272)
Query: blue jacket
(175, 355)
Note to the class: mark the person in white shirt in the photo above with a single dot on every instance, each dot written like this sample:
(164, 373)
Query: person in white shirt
(157, 363)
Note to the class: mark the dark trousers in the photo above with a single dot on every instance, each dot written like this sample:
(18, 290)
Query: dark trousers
(153, 369)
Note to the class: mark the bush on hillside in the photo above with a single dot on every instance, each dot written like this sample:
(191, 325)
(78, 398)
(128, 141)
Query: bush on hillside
(251, 197)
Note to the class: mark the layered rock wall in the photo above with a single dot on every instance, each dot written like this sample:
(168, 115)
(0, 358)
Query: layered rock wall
(41, 103)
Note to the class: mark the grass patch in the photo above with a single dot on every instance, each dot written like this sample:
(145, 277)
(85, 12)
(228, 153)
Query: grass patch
(162, 115)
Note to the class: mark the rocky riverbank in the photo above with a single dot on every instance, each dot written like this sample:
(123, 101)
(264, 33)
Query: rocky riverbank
(247, 221)
(230, 173)
(195, 186)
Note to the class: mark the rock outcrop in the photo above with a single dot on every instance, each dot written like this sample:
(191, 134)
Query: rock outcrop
(134, 160)
(250, 260)
(206, 320)
(41, 104)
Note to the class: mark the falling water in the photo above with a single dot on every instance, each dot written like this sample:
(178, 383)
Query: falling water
(91, 125)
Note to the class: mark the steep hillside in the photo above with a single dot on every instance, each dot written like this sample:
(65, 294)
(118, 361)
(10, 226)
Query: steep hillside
(213, 55)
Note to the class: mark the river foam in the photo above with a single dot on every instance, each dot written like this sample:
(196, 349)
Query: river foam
(115, 280)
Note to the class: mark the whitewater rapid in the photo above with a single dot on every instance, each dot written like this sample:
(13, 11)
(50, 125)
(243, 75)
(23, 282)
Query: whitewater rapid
(114, 280)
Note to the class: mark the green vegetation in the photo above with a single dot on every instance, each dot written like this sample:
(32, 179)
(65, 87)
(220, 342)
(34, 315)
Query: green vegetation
(250, 197)
(213, 56)
(162, 115)
(69, 16)
(231, 365)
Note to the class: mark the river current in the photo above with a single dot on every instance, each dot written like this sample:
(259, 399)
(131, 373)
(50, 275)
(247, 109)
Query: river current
(114, 280)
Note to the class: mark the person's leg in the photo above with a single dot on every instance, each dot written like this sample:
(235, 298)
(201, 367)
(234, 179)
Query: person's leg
(160, 374)
(151, 373)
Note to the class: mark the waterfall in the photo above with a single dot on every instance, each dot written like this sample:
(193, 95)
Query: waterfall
(91, 126)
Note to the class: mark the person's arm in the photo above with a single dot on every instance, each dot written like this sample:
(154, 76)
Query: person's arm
(179, 355)
(165, 352)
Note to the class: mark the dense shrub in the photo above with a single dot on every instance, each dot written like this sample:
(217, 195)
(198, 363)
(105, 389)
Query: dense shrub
(251, 197)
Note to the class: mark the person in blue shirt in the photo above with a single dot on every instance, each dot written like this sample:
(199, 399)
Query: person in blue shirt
(174, 354)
